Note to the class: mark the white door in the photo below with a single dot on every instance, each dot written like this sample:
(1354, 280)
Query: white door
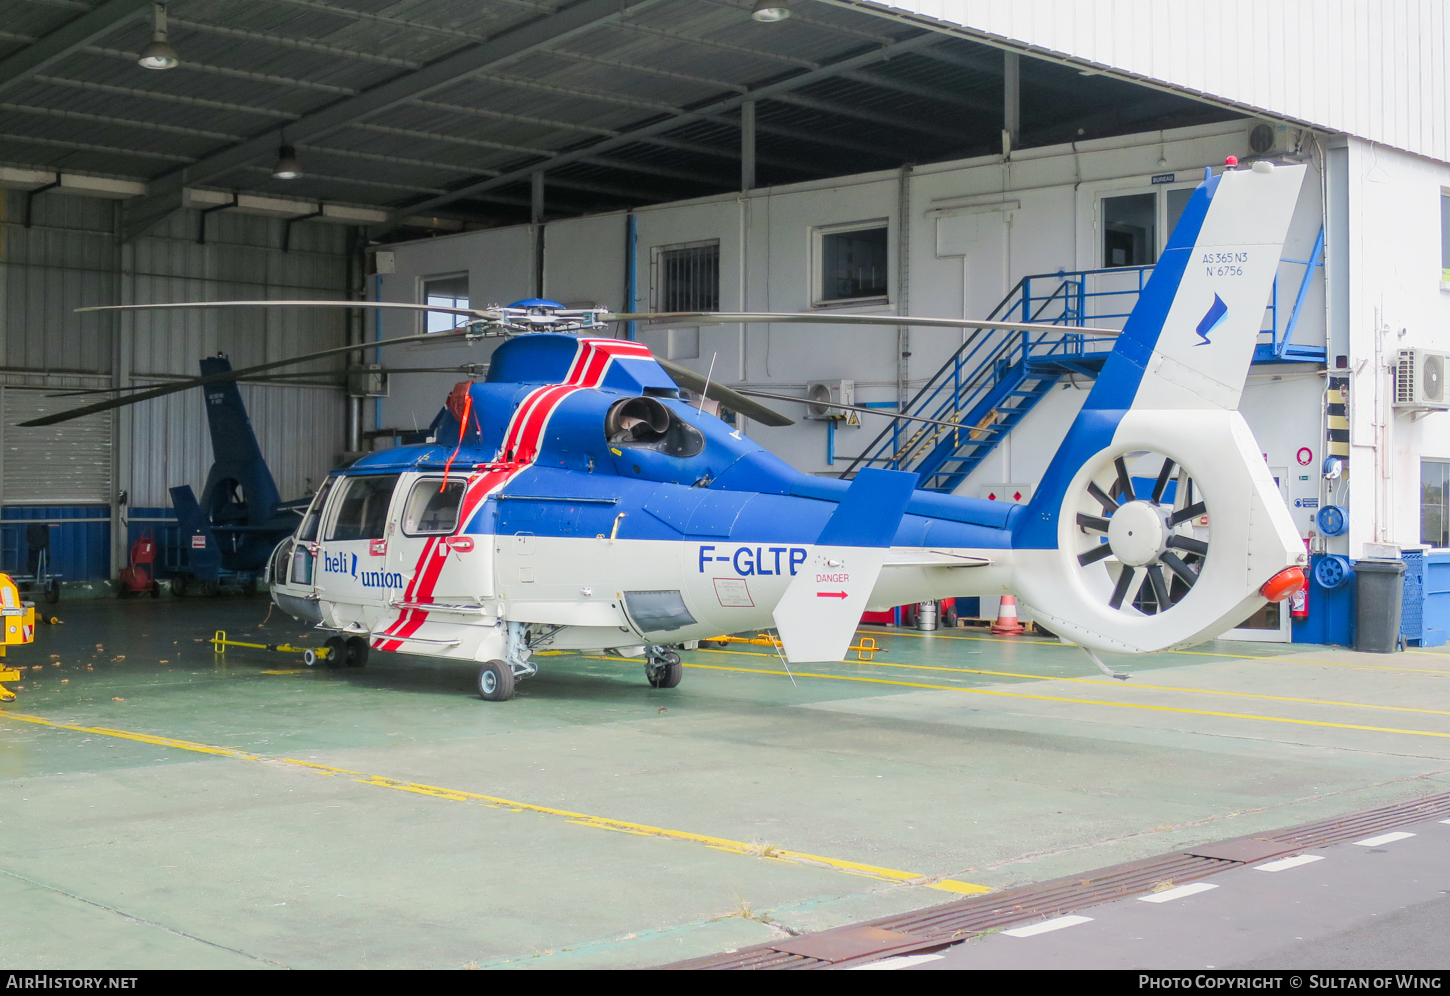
(352, 558)
(1271, 624)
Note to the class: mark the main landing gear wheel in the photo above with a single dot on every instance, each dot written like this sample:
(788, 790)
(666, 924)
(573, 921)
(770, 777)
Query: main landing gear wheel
(495, 681)
(357, 651)
(664, 671)
(1156, 534)
(336, 651)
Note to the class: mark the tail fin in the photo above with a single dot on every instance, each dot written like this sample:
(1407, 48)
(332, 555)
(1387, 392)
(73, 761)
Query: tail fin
(1157, 523)
(232, 438)
(819, 612)
(1190, 340)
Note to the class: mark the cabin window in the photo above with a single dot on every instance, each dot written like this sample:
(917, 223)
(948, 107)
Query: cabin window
(1435, 502)
(852, 264)
(432, 508)
(363, 513)
(447, 291)
(1129, 224)
(687, 276)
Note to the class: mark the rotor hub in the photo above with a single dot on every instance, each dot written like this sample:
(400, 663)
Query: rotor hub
(1138, 533)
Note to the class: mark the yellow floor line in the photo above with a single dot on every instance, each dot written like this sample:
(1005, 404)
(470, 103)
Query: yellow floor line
(1282, 658)
(1107, 684)
(583, 819)
(1092, 702)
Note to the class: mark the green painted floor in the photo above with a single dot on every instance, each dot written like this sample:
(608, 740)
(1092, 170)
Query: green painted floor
(425, 828)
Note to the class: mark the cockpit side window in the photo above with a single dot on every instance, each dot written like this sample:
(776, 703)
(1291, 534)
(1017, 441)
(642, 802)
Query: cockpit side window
(308, 530)
(645, 423)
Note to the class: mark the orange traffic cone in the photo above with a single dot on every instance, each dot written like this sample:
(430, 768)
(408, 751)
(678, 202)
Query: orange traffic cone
(1007, 624)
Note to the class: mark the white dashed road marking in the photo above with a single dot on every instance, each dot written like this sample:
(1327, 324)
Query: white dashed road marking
(1178, 893)
(1285, 863)
(1384, 838)
(1057, 923)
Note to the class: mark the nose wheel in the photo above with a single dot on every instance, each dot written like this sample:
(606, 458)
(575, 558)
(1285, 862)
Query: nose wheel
(663, 668)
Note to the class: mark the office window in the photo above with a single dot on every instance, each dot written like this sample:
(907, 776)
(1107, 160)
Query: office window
(852, 263)
(1445, 236)
(1129, 225)
(1435, 502)
(363, 513)
(687, 277)
(1178, 198)
(447, 292)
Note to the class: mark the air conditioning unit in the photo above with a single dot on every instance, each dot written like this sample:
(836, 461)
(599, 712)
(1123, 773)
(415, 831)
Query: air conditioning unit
(1270, 138)
(1420, 380)
(831, 392)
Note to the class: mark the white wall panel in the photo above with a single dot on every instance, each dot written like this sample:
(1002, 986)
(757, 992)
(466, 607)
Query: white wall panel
(1375, 69)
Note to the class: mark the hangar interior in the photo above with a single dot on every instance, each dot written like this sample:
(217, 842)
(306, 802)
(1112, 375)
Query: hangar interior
(846, 157)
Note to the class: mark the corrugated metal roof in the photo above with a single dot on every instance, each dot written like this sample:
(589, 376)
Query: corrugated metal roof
(252, 70)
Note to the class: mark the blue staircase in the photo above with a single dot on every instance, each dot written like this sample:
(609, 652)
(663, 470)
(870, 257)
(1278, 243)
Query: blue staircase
(997, 377)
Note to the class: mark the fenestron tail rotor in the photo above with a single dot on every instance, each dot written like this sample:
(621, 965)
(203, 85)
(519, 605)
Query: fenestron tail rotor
(1150, 538)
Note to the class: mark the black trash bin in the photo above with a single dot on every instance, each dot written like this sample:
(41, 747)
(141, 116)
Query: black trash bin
(1380, 587)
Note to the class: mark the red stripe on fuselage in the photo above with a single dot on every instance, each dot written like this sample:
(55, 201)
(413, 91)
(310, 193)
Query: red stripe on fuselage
(520, 448)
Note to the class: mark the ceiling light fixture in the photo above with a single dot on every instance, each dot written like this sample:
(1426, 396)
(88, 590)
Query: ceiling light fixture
(287, 168)
(159, 54)
(770, 10)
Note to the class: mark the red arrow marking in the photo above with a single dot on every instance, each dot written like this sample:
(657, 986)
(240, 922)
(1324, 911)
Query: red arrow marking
(830, 594)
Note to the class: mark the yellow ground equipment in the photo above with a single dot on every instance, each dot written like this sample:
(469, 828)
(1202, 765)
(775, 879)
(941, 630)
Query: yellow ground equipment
(310, 655)
(866, 650)
(19, 620)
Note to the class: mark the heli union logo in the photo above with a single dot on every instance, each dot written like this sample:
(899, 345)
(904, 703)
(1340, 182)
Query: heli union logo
(1212, 319)
(346, 563)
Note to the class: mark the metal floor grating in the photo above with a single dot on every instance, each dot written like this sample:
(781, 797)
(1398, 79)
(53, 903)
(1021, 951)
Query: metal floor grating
(950, 923)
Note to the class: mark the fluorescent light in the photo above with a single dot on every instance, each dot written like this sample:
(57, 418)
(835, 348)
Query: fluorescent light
(158, 54)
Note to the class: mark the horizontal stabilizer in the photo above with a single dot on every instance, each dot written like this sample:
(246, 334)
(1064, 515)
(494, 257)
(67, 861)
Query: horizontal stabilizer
(819, 612)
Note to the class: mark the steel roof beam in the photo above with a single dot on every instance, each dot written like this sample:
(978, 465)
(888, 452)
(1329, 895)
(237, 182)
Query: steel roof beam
(844, 110)
(715, 107)
(45, 52)
(673, 111)
(499, 50)
(169, 98)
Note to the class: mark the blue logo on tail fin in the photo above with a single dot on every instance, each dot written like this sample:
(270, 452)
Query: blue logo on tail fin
(1212, 319)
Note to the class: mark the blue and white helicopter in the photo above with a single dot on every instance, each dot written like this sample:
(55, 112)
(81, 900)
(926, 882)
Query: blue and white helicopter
(574, 500)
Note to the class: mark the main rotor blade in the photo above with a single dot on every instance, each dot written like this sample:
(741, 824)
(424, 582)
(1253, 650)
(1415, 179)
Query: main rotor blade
(482, 314)
(216, 378)
(664, 319)
(715, 391)
(864, 411)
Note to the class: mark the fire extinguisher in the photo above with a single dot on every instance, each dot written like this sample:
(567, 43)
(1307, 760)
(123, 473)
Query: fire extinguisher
(1299, 601)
